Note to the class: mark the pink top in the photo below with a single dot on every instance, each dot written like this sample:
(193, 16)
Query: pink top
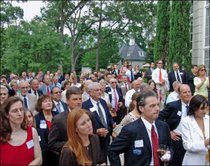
(18, 155)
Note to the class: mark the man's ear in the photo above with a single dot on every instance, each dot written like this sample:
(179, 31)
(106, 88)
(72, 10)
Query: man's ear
(140, 109)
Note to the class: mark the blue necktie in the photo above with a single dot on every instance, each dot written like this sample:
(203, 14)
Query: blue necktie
(25, 103)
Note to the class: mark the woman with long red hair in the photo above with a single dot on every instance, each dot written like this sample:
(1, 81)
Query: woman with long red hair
(82, 147)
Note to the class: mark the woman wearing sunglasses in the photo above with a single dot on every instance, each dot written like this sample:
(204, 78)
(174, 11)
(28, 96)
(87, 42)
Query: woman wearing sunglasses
(201, 82)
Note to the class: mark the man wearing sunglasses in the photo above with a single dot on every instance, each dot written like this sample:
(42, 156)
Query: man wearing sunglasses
(59, 105)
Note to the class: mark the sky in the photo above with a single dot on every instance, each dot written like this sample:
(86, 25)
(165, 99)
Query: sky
(31, 8)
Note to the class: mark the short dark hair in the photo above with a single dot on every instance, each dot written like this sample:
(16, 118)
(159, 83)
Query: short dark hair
(40, 101)
(54, 88)
(192, 66)
(142, 97)
(196, 102)
(73, 90)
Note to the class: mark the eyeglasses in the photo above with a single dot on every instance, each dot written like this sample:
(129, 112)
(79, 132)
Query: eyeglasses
(113, 82)
(24, 87)
(57, 92)
(202, 69)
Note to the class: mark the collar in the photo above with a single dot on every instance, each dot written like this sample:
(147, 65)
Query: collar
(184, 104)
(93, 101)
(148, 125)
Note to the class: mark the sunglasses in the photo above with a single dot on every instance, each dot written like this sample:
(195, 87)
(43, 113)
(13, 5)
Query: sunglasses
(57, 92)
(113, 82)
(202, 69)
(24, 87)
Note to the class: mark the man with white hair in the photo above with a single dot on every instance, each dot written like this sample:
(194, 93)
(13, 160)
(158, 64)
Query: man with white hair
(29, 100)
(135, 88)
(173, 96)
(4, 94)
(102, 118)
(85, 94)
(116, 100)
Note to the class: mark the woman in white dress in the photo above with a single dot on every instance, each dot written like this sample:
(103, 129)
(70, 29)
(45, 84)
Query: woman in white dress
(195, 132)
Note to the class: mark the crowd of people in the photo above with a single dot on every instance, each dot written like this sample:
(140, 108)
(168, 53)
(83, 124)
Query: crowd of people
(154, 117)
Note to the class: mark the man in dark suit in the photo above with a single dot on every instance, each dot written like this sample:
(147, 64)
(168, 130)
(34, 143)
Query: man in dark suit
(116, 70)
(46, 87)
(148, 73)
(139, 140)
(176, 75)
(190, 77)
(172, 114)
(58, 105)
(116, 99)
(35, 88)
(101, 115)
(58, 133)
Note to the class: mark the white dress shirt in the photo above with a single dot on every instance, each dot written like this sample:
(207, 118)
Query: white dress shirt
(149, 129)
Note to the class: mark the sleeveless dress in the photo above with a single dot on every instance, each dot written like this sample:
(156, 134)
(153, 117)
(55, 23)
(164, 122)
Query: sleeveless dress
(18, 155)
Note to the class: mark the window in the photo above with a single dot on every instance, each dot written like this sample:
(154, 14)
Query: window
(141, 53)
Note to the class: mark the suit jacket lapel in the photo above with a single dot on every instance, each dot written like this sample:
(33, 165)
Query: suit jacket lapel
(95, 113)
(145, 134)
(195, 124)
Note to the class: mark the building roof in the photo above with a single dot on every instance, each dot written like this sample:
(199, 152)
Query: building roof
(133, 52)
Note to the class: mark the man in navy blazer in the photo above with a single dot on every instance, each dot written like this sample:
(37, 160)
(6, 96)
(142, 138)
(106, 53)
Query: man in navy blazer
(172, 115)
(121, 110)
(176, 75)
(34, 83)
(58, 132)
(58, 105)
(103, 121)
(136, 140)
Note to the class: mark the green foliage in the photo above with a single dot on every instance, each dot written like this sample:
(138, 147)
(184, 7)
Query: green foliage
(108, 53)
(91, 25)
(161, 44)
(36, 47)
(179, 48)
(9, 13)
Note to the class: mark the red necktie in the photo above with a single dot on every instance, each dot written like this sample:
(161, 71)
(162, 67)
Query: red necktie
(155, 147)
(48, 91)
(126, 88)
(160, 76)
(115, 101)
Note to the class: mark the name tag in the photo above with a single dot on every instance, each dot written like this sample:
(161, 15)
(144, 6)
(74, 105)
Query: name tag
(92, 109)
(179, 113)
(43, 124)
(30, 144)
(138, 143)
(137, 152)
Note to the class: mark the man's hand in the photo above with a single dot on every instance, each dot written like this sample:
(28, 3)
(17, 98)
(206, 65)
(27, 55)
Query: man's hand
(102, 132)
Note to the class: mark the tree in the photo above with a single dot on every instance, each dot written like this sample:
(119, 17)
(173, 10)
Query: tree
(161, 44)
(179, 44)
(8, 15)
(33, 46)
(85, 19)
(108, 53)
